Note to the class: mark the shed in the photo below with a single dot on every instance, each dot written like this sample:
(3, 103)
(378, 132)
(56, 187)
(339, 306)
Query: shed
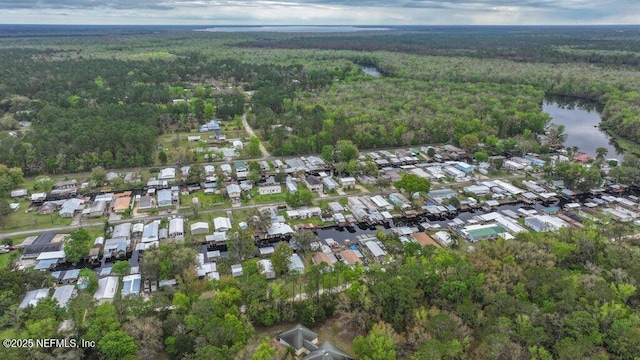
(295, 263)
(63, 294)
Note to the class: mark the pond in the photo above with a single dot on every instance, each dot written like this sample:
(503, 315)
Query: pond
(371, 71)
(581, 121)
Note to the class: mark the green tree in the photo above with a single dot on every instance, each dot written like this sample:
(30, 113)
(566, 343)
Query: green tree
(303, 240)
(264, 352)
(77, 245)
(5, 211)
(99, 175)
(413, 183)
(162, 157)
(469, 142)
(10, 178)
(328, 153)
(346, 151)
(117, 345)
(196, 174)
(480, 156)
(121, 268)
(280, 258)
(376, 345)
(241, 244)
(253, 148)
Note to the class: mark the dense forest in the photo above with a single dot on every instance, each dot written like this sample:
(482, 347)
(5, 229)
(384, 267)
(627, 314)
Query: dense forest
(301, 92)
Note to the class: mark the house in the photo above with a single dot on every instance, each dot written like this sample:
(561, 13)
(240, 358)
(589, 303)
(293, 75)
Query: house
(176, 228)
(32, 297)
(46, 242)
(465, 168)
(240, 166)
(70, 207)
(329, 183)
(233, 190)
(18, 193)
(327, 351)
(320, 257)
(122, 230)
(375, 250)
(131, 284)
(266, 251)
(199, 228)
(121, 204)
(381, 203)
(226, 168)
(168, 174)
(116, 247)
(313, 183)
(145, 203)
(164, 197)
(335, 207)
(291, 185)
(237, 144)
(150, 232)
(98, 208)
(266, 268)
(49, 260)
(222, 224)
(347, 182)
(270, 189)
(218, 238)
(295, 264)
(107, 288)
(193, 138)
(350, 257)
(443, 237)
(279, 229)
(542, 223)
(424, 239)
(63, 295)
(300, 338)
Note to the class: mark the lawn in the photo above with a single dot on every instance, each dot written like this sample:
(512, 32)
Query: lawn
(264, 199)
(18, 220)
(207, 201)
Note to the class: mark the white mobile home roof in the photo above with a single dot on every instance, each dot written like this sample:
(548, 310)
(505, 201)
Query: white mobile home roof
(63, 294)
(122, 230)
(107, 288)
(51, 255)
(176, 226)
(32, 297)
(375, 249)
(131, 284)
(295, 263)
(150, 232)
(222, 223)
(508, 187)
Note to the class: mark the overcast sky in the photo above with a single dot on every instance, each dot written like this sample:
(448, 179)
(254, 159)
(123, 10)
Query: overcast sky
(321, 12)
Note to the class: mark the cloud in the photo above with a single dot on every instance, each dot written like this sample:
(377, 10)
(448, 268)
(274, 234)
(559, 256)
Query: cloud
(356, 12)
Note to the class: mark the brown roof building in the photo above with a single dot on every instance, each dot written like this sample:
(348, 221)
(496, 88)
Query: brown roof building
(350, 257)
(424, 239)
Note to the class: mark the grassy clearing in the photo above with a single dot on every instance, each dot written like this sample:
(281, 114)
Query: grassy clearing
(207, 201)
(264, 199)
(18, 220)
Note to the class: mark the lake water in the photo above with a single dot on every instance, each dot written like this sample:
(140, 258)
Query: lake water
(581, 122)
(371, 71)
(293, 29)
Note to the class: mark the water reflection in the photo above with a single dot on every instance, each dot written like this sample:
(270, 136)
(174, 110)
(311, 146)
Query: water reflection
(581, 121)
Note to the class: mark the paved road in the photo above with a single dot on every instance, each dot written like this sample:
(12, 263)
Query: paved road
(155, 217)
(249, 131)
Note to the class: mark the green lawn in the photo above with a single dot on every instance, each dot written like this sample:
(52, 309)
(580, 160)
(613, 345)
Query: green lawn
(18, 220)
(264, 199)
(207, 201)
